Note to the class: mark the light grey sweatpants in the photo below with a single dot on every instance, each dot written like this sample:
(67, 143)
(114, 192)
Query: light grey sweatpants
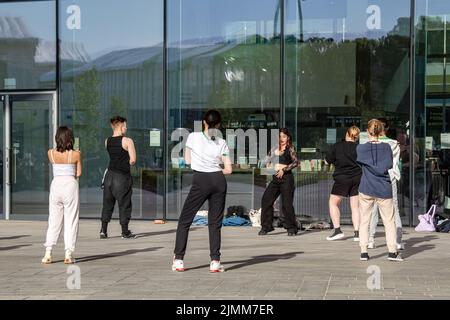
(398, 220)
(64, 208)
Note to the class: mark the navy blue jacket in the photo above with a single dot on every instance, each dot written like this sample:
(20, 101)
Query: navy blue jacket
(375, 160)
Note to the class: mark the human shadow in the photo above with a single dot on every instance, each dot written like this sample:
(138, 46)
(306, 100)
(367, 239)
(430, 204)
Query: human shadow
(114, 254)
(14, 247)
(411, 247)
(14, 237)
(156, 233)
(255, 260)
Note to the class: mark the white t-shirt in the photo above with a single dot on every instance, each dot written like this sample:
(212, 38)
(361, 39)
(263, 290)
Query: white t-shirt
(206, 154)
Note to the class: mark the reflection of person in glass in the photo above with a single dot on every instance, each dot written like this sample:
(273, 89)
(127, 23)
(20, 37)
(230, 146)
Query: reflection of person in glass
(205, 152)
(282, 183)
(64, 204)
(347, 175)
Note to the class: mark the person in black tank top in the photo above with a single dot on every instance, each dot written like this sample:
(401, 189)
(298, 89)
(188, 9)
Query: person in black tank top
(118, 183)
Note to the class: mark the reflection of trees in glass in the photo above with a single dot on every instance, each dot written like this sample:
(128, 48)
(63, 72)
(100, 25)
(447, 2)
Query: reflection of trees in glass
(118, 106)
(86, 118)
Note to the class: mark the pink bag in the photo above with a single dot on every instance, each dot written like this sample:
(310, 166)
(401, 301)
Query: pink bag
(426, 221)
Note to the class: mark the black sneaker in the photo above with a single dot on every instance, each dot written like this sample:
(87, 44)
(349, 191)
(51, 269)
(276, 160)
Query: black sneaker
(262, 233)
(103, 235)
(129, 235)
(356, 236)
(364, 256)
(394, 256)
(336, 235)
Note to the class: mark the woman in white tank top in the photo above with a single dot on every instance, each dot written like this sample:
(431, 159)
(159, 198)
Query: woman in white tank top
(64, 195)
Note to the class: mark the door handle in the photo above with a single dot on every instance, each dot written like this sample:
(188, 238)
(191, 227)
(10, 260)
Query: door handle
(7, 166)
(15, 165)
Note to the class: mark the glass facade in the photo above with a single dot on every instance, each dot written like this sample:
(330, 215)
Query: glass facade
(315, 67)
(111, 62)
(27, 44)
(346, 62)
(432, 105)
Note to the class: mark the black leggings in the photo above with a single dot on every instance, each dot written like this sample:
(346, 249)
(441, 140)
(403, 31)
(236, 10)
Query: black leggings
(211, 186)
(284, 186)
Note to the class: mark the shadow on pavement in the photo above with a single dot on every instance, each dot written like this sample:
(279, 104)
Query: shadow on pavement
(14, 247)
(255, 260)
(113, 254)
(14, 237)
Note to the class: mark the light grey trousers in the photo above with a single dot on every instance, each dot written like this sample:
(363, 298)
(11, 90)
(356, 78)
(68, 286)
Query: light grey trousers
(397, 219)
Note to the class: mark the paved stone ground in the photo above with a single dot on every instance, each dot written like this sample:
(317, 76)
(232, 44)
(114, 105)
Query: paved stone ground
(271, 267)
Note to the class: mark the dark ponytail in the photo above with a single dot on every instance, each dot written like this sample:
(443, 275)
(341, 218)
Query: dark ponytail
(213, 120)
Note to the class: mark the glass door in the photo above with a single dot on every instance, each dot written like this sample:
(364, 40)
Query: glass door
(432, 90)
(2, 154)
(30, 126)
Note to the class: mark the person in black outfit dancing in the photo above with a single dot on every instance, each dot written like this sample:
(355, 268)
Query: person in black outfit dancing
(282, 183)
(118, 183)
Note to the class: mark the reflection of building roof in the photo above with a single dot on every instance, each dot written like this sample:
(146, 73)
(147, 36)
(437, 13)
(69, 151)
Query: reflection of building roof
(13, 28)
(135, 58)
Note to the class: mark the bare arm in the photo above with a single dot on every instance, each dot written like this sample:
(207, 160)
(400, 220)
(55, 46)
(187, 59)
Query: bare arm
(128, 145)
(78, 162)
(227, 165)
(187, 155)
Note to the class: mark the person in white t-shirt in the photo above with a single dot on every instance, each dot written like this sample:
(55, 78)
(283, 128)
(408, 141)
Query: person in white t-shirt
(205, 152)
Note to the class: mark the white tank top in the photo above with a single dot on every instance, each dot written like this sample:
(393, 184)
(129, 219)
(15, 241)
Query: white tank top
(63, 169)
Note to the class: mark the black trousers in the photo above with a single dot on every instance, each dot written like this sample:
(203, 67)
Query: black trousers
(117, 187)
(284, 186)
(211, 186)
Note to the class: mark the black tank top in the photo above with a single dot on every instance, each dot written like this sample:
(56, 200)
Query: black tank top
(119, 159)
(285, 157)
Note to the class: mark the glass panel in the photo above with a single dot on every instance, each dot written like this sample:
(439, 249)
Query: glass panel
(30, 140)
(112, 64)
(346, 63)
(2, 181)
(223, 55)
(27, 45)
(432, 112)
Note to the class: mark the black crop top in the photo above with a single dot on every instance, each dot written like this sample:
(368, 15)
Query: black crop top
(288, 158)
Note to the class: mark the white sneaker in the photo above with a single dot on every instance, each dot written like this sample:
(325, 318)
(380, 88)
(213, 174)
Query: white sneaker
(216, 266)
(401, 246)
(336, 236)
(177, 265)
(47, 259)
(370, 245)
(69, 259)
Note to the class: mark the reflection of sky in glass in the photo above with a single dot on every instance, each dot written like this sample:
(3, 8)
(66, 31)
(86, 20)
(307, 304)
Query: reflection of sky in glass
(38, 16)
(328, 18)
(435, 7)
(112, 25)
(216, 21)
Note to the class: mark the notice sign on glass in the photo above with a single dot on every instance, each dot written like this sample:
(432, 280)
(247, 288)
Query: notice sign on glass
(155, 138)
(428, 143)
(445, 140)
(331, 135)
